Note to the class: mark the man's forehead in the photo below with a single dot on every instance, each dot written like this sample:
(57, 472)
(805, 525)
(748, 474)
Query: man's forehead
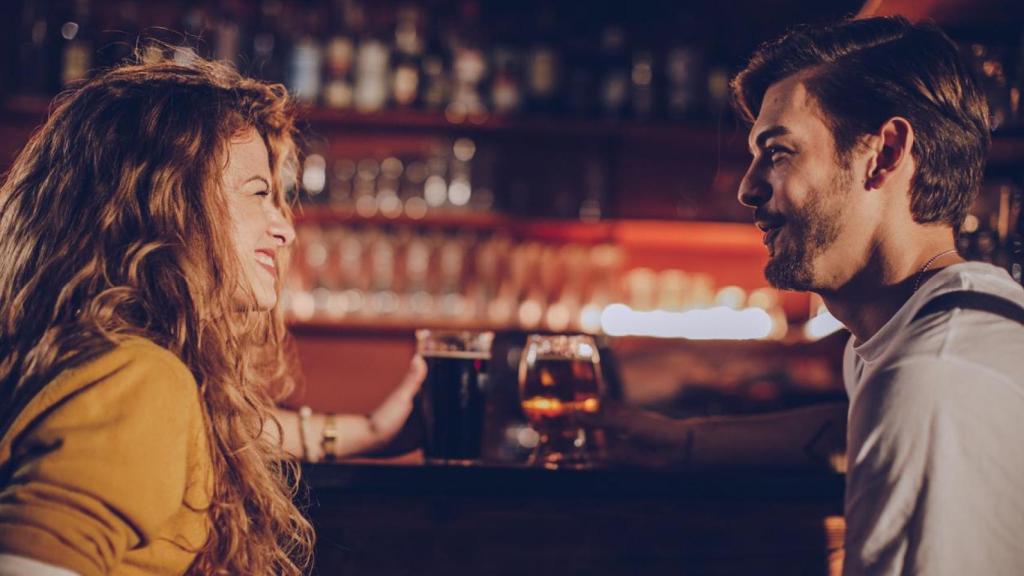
(787, 103)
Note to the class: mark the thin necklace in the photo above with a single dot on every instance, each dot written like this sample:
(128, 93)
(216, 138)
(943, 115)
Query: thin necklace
(920, 273)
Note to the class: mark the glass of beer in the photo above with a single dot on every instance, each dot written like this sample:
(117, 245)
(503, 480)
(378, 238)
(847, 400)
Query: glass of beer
(560, 378)
(451, 400)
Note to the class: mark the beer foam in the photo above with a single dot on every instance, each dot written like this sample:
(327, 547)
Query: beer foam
(562, 358)
(456, 354)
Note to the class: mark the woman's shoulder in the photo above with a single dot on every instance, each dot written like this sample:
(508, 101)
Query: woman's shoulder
(139, 351)
(129, 359)
(134, 373)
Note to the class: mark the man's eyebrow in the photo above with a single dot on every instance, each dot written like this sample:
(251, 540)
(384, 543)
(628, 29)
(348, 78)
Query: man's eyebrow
(768, 133)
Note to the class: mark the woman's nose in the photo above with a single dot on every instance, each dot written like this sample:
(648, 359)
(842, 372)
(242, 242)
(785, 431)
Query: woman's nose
(281, 229)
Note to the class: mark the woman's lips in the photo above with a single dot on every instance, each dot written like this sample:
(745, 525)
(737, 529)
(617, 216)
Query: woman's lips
(266, 260)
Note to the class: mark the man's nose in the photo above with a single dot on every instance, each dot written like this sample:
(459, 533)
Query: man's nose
(754, 190)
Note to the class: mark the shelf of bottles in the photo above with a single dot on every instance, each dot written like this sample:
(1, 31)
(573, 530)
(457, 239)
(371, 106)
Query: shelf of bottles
(465, 60)
(448, 58)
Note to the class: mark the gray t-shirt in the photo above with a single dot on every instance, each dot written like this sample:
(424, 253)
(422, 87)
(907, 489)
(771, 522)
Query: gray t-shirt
(935, 457)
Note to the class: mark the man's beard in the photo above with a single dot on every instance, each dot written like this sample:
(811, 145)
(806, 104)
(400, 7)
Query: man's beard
(809, 231)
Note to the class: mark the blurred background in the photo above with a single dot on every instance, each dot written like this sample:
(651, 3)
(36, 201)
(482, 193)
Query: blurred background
(527, 166)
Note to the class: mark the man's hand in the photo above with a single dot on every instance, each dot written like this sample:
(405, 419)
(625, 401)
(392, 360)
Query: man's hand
(639, 437)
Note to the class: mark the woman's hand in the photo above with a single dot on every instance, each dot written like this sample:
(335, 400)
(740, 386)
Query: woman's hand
(387, 420)
(353, 434)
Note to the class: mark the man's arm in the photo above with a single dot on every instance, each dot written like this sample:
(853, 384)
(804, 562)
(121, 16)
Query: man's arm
(808, 437)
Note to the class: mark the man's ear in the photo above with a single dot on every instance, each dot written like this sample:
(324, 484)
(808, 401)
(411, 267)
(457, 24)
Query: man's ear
(890, 148)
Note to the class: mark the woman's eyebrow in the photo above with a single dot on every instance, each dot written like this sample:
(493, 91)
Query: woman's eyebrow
(257, 178)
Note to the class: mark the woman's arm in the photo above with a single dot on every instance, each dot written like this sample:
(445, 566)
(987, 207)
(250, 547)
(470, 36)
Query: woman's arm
(354, 433)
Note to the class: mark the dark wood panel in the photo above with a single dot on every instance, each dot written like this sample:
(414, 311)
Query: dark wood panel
(408, 520)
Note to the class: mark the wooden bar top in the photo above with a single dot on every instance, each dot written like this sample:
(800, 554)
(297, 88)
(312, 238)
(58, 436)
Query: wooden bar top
(510, 480)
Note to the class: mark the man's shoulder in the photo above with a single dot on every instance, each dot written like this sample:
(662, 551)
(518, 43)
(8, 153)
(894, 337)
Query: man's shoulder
(972, 318)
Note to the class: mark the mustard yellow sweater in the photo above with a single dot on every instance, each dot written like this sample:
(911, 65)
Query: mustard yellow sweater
(110, 468)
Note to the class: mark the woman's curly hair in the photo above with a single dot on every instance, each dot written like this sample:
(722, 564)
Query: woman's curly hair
(113, 224)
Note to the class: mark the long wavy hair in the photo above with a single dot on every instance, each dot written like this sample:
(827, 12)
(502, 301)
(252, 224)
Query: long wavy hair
(113, 224)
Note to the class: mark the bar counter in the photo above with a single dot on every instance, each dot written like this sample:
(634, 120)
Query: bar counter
(404, 519)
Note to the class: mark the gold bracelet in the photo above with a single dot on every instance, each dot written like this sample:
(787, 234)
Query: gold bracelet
(371, 425)
(329, 442)
(305, 413)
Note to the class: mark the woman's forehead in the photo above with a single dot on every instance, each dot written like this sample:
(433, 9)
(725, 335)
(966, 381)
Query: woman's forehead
(247, 156)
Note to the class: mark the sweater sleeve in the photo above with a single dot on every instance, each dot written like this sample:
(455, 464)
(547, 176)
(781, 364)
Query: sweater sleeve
(103, 469)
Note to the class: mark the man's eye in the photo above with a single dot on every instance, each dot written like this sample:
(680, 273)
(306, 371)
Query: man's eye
(775, 154)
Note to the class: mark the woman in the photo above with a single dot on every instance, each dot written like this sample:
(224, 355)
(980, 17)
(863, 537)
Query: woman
(142, 233)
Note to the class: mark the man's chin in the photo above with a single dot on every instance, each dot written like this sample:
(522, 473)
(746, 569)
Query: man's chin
(787, 274)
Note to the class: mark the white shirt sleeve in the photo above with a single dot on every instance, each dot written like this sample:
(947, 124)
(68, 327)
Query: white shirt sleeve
(11, 565)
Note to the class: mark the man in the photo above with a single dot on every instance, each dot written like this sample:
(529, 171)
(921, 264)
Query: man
(868, 140)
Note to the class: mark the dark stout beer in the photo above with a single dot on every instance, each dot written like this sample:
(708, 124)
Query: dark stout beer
(452, 405)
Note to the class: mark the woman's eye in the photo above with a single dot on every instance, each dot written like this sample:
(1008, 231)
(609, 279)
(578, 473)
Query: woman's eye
(262, 193)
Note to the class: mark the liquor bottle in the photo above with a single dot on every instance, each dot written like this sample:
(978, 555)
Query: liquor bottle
(229, 34)
(371, 92)
(506, 87)
(615, 74)
(77, 51)
(469, 67)
(435, 64)
(408, 50)
(642, 85)
(543, 66)
(305, 70)
(268, 43)
(37, 61)
(434, 93)
(581, 75)
(373, 76)
(684, 75)
(718, 90)
(339, 54)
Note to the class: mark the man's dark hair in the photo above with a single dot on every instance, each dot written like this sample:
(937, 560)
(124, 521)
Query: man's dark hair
(864, 72)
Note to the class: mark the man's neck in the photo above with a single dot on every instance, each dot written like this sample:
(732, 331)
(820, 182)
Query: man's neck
(876, 293)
